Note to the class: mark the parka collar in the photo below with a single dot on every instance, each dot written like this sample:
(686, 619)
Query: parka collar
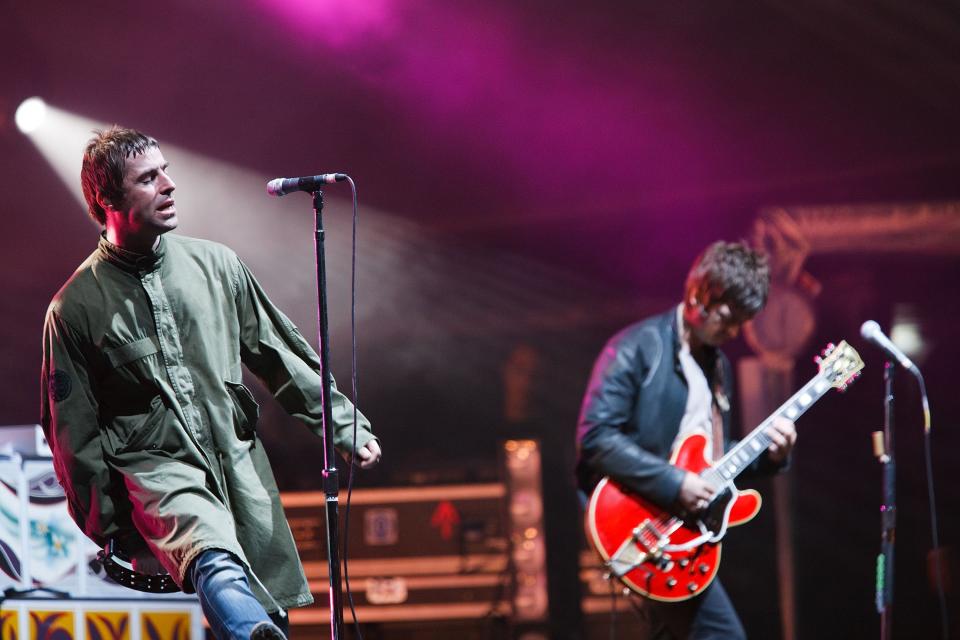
(130, 260)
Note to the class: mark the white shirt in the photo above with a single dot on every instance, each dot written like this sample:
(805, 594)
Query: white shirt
(698, 414)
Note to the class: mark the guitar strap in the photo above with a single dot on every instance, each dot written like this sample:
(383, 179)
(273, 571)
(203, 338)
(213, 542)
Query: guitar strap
(719, 401)
(717, 432)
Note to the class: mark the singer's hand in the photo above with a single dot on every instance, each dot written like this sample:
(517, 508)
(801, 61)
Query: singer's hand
(369, 454)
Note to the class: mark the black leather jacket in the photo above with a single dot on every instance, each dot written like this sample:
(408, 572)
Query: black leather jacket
(632, 410)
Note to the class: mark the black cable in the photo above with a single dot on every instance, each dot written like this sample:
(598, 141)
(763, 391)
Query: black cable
(356, 401)
(12, 593)
(928, 459)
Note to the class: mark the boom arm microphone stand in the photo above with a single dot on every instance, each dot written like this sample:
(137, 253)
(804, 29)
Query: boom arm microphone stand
(331, 482)
(884, 450)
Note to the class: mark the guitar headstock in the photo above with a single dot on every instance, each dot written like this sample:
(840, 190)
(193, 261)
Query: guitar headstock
(839, 364)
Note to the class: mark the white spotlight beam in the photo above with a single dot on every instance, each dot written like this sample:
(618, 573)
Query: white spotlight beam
(61, 139)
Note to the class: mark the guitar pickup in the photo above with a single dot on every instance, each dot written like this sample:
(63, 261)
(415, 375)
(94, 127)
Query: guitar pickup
(646, 542)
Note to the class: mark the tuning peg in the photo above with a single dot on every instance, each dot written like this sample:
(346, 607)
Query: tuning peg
(817, 359)
(829, 349)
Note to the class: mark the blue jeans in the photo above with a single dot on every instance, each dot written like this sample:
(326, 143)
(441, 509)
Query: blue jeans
(226, 597)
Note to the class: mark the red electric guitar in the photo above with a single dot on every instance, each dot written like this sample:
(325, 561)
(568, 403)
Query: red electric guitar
(670, 558)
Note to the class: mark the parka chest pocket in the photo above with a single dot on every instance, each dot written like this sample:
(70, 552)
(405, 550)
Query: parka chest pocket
(247, 410)
(127, 353)
(133, 363)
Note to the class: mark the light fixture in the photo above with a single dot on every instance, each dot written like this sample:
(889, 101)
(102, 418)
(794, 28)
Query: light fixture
(30, 115)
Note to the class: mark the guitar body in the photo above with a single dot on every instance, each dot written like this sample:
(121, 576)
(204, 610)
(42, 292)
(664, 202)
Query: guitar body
(668, 575)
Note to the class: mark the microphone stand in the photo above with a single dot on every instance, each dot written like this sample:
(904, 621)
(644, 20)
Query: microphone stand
(888, 510)
(331, 483)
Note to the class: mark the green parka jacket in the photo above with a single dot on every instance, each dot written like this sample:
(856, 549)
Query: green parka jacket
(152, 431)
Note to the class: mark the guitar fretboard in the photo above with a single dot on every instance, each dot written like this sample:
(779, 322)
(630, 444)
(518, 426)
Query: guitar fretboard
(749, 449)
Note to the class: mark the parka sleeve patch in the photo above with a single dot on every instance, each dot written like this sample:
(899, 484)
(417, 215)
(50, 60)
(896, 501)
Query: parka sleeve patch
(60, 385)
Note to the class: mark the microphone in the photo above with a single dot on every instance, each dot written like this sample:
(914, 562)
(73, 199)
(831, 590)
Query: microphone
(283, 186)
(871, 332)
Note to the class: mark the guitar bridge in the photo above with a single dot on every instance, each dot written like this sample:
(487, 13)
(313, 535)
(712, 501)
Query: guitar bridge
(645, 543)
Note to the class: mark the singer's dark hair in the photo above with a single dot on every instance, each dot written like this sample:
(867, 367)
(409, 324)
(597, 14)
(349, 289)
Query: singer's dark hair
(104, 163)
(731, 273)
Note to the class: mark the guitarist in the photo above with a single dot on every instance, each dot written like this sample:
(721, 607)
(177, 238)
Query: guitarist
(152, 432)
(664, 378)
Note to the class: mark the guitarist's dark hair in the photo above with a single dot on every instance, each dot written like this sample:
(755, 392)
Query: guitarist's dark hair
(731, 273)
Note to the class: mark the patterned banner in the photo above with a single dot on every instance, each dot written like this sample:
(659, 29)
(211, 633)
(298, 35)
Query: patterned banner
(9, 625)
(165, 625)
(51, 625)
(108, 625)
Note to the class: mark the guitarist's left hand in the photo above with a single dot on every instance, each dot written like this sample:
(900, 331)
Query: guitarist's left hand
(784, 435)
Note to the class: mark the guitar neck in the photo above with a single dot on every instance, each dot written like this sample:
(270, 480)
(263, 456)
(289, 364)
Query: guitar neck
(749, 449)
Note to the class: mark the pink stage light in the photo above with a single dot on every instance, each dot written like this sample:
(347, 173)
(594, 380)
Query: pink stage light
(333, 23)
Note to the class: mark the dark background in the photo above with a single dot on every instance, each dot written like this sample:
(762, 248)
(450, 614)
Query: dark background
(540, 174)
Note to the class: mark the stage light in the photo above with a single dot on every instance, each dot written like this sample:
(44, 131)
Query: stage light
(906, 332)
(526, 529)
(30, 114)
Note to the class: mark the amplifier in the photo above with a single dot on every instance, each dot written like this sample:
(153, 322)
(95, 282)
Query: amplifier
(433, 553)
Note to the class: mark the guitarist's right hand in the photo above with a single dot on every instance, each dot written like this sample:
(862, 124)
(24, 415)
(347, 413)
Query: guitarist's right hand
(695, 493)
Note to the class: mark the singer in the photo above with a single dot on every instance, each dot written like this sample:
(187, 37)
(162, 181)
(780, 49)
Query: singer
(152, 431)
(660, 380)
